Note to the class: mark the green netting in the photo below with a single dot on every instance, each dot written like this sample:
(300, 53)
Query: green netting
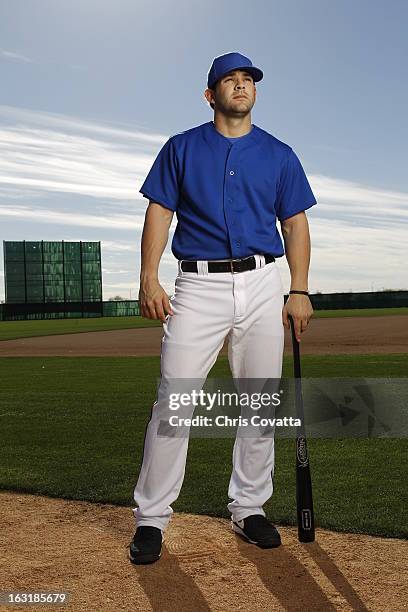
(92, 285)
(35, 279)
(72, 268)
(53, 259)
(52, 247)
(73, 294)
(14, 268)
(53, 268)
(16, 296)
(53, 291)
(91, 281)
(35, 294)
(90, 257)
(378, 299)
(15, 287)
(33, 251)
(91, 268)
(91, 296)
(33, 269)
(13, 250)
(126, 308)
(72, 251)
(90, 247)
(52, 271)
(14, 281)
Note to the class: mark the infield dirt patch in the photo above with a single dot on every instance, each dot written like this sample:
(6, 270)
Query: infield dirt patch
(82, 548)
(346, 335)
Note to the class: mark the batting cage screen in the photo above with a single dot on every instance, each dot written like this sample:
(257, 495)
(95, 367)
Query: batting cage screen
(52, 279)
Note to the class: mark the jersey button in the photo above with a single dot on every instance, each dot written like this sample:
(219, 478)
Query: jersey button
(231, 172)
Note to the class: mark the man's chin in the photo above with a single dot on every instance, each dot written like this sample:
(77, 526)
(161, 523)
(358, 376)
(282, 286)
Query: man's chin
(241, 112)
(244, 107)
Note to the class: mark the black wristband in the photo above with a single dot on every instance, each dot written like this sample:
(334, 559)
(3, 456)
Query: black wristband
(300, 292)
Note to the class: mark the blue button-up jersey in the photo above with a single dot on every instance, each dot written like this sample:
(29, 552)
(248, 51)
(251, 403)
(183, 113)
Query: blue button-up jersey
(227, 195)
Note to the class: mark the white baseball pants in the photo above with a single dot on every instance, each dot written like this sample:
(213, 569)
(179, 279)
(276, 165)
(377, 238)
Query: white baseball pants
(246, 307)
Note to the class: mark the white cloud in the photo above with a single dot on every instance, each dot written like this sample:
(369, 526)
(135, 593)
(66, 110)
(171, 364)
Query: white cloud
(67, 124)
(354, 257)
(350, 200)
(46, 161)
(15, 56)
(115, 271)
(59, 170)
(44, 216)
(117, 246)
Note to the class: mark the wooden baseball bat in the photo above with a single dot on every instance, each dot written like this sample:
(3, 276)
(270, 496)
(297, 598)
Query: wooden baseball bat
(304, 497)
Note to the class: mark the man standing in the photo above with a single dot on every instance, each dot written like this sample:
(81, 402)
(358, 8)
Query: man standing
(228, 182)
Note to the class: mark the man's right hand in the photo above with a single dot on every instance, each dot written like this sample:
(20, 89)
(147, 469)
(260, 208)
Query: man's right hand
(153, 300)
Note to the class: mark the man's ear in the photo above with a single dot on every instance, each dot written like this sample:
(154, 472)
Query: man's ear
(209, 95)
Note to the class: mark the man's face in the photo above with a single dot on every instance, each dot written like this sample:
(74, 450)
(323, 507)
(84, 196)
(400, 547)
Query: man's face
(234, 94)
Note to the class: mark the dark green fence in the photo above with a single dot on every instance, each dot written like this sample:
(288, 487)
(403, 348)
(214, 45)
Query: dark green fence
(51, 279)
(52, 271)
(129, 308)
(375, 299)
(68, 310)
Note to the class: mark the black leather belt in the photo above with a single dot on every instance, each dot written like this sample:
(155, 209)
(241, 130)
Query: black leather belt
(232, 265)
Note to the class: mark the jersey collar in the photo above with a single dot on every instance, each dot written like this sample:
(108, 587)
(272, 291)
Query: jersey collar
(212, 134)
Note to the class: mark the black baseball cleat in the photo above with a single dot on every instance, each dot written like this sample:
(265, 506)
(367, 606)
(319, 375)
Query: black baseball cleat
(146, 545)
(257, 530)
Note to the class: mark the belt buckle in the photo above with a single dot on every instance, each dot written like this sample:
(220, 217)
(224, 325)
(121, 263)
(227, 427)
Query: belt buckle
(232, 264)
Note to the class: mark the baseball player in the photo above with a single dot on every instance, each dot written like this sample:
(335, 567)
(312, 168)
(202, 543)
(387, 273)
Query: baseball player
(228, 181)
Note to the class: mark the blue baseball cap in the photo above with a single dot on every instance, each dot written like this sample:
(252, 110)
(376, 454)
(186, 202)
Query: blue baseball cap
(231, 61)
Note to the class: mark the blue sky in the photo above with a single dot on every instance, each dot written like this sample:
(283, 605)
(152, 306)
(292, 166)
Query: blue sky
(91, 89)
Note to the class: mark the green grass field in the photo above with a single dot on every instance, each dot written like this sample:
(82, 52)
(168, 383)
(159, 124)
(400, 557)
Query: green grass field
(10, 330)
(74, 428)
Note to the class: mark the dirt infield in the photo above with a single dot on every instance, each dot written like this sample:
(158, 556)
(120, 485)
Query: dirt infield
(82, 548)
(382, 334)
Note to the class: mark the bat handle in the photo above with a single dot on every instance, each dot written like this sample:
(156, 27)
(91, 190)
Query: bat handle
(296, 350)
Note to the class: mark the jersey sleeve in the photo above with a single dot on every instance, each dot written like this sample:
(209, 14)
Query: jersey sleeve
(294, 193)
(161, 184)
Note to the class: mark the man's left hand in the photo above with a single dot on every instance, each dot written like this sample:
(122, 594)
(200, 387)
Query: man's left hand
(300, 308)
